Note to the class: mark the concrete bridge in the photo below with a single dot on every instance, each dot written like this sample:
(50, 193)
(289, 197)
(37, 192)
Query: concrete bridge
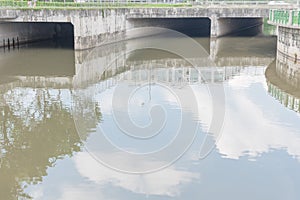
(93, 27)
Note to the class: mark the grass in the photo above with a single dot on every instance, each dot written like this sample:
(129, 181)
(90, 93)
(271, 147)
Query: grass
(84, 5)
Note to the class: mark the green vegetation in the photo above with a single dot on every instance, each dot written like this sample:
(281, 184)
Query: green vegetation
(268, 29)
(79, 5)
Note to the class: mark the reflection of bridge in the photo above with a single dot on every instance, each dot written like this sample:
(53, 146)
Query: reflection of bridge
(115, 59)
(96, 65)
(38, 82)
(174, 77)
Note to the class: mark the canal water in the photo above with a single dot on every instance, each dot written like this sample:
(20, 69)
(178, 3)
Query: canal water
(137, 120)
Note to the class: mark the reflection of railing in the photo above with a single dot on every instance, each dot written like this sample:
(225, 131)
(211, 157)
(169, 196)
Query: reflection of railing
(172, 76)
(284, 98)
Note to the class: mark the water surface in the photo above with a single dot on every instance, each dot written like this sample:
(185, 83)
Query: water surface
(57, 106)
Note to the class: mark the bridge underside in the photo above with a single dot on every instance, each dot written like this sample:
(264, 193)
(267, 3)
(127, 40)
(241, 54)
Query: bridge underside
(237, 27)
(12, 34)
(214, 27)
(188, 26)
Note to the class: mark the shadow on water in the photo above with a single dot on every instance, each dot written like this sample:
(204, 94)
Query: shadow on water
(46, 58)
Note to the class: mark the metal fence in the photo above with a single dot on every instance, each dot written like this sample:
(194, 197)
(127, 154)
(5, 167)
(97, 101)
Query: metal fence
(280, 16)
(285, 17)
(295, 17)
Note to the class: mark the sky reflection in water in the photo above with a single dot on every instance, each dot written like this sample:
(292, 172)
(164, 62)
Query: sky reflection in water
(257, 156)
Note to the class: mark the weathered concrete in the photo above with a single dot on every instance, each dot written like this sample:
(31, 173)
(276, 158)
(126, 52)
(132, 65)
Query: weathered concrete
(95, 27)
(91, 27)
(288, 42)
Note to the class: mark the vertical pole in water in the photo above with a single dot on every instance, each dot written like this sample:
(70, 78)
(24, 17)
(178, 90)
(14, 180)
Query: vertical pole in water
(8, 44)
(18, 42)
(13, 42)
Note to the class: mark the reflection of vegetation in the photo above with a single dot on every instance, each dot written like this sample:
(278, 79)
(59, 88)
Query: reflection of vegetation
(28, 149)
(284, 98)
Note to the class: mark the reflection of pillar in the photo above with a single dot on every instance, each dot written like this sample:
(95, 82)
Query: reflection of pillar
(213, 48)
(5, 135)
(173, 75)
(2, 100)
(214, 26)
(212, 75)
(199, 76)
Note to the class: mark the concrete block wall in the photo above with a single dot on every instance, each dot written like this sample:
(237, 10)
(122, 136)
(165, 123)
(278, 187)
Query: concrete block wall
(288, 54)
(288, 42)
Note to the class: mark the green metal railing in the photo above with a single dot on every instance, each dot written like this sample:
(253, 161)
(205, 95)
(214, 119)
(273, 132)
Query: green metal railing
(285, 17)
(280, 16)
(295, 17)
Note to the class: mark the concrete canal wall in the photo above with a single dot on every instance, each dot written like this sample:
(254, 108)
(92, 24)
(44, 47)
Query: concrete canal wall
(288, 33)
(288, 42)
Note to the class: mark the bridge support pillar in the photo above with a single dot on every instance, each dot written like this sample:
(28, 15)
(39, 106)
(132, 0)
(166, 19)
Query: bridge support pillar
(214, 26)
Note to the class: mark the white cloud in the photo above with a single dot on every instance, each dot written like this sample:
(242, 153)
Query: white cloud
(165, 182)
(250, 130)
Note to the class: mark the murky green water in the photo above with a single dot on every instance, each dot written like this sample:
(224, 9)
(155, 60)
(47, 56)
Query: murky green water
(90, 124)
